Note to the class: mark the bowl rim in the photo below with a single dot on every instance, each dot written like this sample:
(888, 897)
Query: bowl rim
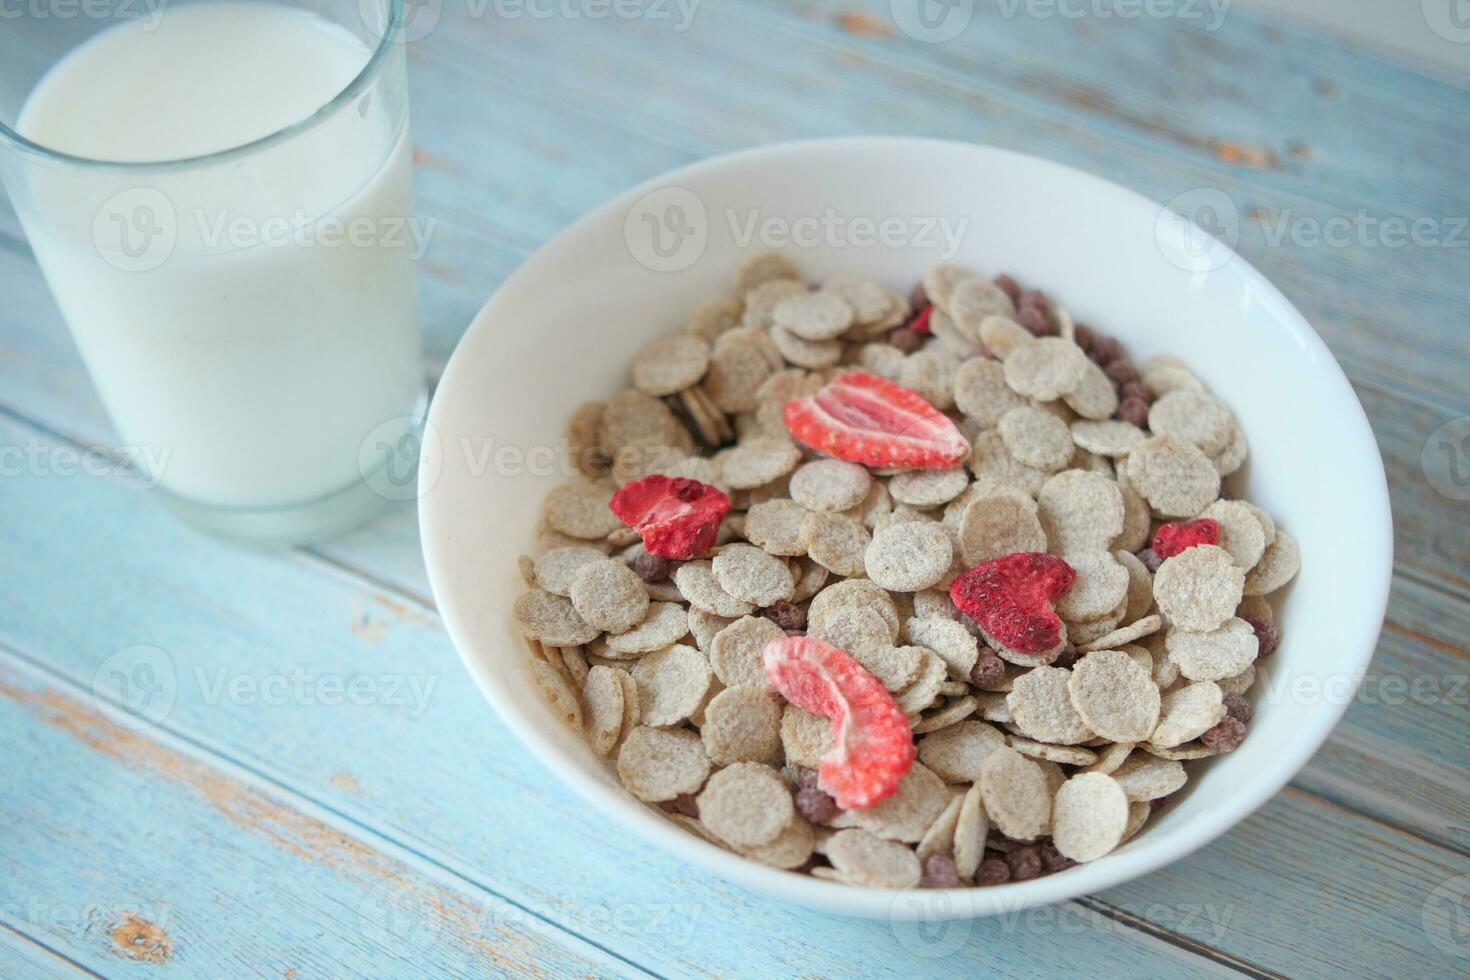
(906, 904)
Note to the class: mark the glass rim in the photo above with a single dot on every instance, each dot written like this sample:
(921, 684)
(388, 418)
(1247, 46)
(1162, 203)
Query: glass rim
(12, 140)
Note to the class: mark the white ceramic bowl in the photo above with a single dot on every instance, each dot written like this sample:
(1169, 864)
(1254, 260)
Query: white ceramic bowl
(564, 327)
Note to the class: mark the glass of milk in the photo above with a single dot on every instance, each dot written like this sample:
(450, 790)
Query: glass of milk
(218, 193)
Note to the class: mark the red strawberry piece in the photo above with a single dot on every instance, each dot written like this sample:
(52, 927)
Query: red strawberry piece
(920, 322)
(1012, 599)
(874, 748)
(1170, 539)
(863, 418)
(677, 518)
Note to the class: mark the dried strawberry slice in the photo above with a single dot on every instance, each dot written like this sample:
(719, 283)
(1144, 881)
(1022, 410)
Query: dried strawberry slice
(874, 748)
(863, 418)
(1170, 539)
(676, 517)
(920, 322)
(1012, 599)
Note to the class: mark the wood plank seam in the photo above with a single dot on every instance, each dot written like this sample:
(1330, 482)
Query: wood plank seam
(41, 944)
(250, 778)
(1224, 959)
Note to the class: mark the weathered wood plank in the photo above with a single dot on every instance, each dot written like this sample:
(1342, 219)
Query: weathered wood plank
(137, 859)
(1363, 903)
(166, 588)
(254, 644)
(22, 957)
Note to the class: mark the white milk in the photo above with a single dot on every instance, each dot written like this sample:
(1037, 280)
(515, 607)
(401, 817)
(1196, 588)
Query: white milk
(249, 321)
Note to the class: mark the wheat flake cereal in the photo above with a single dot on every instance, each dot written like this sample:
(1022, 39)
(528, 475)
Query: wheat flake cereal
(869, 301)
(1041, 707)
(1199, 588)
(1194, 417)
(735, 651)
(1222, 652)
(859, 631)
(1072, 755)
(940, 280)
(1115, 696)
(948, 640)
(557, 692)
(908, 557)
(774, 526)
(925, 689)
(1037, 438)
(758, 461)
(928, 488)
(1124, 635)
(1187, 713)
(972, 300)
(742, 724)
(1045, 369)
(1003, 336)
(1094, 397)
(1241, 531)
(858, 593)
(1015, 794)
(790, 849)
(956, 753)
(1080, 511)
(805, 737)
(670, 364)
(998, 525)
(603, 719)
(580, 510)
(836, 542)
(1146, 777)
(954, 711)
(764, 267)
(920, 799)
(751, 575)
(1100, 587)
(555, 570)
(1173, 475)
(1277, 566)
(931, 372)
(860, 858)
(1109, 437)
(672, 684)
(939, 838)
(830, 485)
(552, 620)
(664, 623)
(696, 581)
(746, 804)
(657, 764)
(609, 596)
(819, 316)
(971, 827)
(1089, 816)
(1111, 757)
(981, 392)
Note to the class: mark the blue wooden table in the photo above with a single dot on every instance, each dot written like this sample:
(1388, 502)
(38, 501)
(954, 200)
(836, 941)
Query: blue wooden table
(316, 789)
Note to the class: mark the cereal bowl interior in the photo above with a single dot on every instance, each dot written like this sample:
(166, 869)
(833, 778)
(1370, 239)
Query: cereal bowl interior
(564, 328)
